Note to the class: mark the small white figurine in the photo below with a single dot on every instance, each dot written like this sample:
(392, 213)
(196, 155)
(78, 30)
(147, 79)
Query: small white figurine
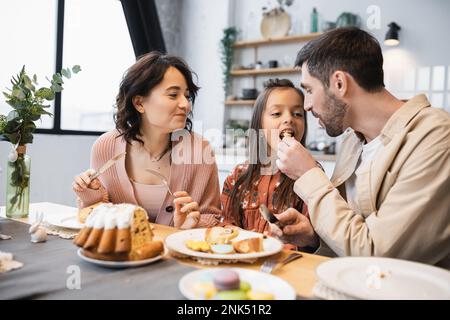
(38, 233)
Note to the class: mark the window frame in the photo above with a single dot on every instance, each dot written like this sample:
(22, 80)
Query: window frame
(58, 66)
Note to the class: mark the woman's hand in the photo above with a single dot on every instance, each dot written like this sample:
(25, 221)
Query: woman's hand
(83, 181)
(187, 214)
(296, 229)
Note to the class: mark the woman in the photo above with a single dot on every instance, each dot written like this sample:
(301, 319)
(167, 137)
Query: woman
(154, 129)
(277, 114)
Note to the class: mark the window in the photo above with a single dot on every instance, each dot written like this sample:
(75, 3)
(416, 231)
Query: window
(46, 35)
(95, 37)
(28, 38)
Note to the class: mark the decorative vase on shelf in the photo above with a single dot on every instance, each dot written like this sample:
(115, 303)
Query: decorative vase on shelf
(314, 21)
(275, 24)
(18, 184)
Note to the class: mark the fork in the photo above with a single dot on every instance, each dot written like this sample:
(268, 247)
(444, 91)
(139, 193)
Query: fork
(269, 265)
(163, 179)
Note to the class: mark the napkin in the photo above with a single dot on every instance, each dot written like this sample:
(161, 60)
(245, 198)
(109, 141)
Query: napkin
(7, 263)
(209, 262)
(61, 232)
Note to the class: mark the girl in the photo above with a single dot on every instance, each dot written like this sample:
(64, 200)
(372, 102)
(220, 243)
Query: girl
(278, 112)
(153, 127)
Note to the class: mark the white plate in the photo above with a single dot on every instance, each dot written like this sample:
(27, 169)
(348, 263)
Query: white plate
(70, 222)
(56, 215)
(402, 279)
(259, 281)
(177, 242)
(118, 264)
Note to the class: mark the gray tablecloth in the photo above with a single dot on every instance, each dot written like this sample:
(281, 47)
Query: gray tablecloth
(47, 270)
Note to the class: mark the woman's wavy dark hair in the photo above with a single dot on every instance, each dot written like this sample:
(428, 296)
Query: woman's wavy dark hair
(139, 80)
(284, 196)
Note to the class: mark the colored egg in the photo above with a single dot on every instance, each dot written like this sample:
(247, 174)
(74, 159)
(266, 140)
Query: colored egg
(245, 286)
(226, 279)
(204, 290)
(231, 295)
(198, 245)
(222, 248)
(258, 295)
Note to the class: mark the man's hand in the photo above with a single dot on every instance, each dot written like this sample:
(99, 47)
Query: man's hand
(293, 158)
(187, 214)
(297, 229)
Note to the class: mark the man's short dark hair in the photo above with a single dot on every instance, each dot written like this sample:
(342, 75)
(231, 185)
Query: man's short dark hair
(347, 49)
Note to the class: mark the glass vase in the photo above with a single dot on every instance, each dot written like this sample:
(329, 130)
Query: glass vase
(18, 187)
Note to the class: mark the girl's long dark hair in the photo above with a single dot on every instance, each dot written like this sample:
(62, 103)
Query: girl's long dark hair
(284, 195)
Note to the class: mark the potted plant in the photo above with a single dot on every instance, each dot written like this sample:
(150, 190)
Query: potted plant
(226, 50)
(28, 105)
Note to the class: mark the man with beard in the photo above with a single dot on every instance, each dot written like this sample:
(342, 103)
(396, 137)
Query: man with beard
(389, 193)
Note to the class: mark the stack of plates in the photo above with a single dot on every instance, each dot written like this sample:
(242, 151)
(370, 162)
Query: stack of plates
(380, 279)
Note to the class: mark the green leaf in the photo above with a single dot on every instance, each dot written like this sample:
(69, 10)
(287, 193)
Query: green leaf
(29, 125)
(12, 137)
(12, 126)
(16, 103)
(27, 138)
(18, 93)
(76, 68)
(35, 117)
(42, 112)
(56, 87)
(35, 79)
(66, 73)
(45, 93)
(3, 123)
(12, 115)
(57, 78)
(28, 84)
(7, 95)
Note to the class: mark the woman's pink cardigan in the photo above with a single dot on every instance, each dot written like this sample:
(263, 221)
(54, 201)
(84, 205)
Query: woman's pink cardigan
(193, 170)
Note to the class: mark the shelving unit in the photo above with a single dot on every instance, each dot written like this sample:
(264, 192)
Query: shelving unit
(239, 102)
(255, 72)
(239, 106)
(255, 44)
(287, 39)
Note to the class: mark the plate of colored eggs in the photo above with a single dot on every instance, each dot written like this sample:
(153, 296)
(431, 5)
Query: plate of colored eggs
(234, 284)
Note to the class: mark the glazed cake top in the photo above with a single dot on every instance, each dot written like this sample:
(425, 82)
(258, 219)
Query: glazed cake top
(110, 216)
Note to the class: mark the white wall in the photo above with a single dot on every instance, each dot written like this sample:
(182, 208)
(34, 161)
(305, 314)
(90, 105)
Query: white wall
(54, 161)
(202, 24)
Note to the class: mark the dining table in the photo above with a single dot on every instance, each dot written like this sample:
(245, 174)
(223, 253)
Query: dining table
(53, 270)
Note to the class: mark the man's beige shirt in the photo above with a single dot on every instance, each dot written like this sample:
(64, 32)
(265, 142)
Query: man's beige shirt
(404, 194)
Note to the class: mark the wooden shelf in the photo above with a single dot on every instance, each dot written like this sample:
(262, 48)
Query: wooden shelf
(239, 102)
(288, 39)
(254, 72)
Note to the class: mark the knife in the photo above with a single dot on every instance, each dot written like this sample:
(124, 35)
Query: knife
(268, 216)
(106, 166)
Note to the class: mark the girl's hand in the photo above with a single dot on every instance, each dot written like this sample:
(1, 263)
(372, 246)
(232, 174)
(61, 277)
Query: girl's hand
(187, 214)
(83, 181)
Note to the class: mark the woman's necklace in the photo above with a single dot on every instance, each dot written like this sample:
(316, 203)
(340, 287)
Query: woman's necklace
(160, 156)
